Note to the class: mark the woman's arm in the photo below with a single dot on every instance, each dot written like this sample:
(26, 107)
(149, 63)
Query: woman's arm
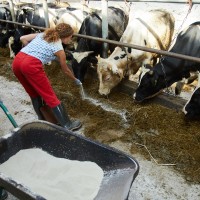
(25, 39)
(62, 59)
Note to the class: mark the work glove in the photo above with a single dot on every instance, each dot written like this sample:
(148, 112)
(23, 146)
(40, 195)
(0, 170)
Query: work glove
(78, 82)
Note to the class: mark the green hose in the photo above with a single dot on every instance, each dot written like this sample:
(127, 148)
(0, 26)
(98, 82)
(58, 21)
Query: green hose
(8, 114)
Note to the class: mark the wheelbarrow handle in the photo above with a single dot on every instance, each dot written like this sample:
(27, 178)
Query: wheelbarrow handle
(8, 114)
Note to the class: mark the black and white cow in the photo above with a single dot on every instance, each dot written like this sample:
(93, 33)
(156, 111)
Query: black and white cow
(92, 26)
(192, 107)
(35, 16)
(14, 42)
(4, 37)
(170, 69)
(5, 14)
(6, 29)
(29, 16)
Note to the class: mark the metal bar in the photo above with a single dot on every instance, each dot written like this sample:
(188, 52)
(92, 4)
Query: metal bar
(142, 48)
(12, 9)
(162, 52)
(163, 1)
(104, 11)
(30, 26)
(46, 15)
(151, 1)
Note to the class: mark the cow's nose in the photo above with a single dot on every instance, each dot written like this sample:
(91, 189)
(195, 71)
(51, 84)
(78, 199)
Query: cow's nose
(104, 92)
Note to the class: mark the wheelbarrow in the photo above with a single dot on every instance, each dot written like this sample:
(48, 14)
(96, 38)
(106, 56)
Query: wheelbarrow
(3, 193)
(62, 143)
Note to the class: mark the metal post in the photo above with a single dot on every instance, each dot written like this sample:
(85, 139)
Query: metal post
(46, 15)
(12, 9)
(105, 26)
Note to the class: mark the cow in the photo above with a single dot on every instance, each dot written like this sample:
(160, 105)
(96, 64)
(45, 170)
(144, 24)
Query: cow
(170, 69)
(35, 16)
(5, 14)
(4, 37)
(92, 26)
(192, 106)
(29, 16)
(14, 42)
(74, 17)
(152, 29)
(6, 29)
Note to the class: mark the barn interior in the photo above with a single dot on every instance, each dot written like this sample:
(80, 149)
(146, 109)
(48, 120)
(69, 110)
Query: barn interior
(156, 128)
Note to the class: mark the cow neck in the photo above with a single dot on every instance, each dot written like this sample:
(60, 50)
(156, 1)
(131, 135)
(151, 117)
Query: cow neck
(119, 60)
(163, 71)
(127, 59)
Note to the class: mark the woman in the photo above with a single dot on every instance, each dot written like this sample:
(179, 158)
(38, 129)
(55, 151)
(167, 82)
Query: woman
(39, 49)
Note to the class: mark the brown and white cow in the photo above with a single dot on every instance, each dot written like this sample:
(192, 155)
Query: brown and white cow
(152, 29)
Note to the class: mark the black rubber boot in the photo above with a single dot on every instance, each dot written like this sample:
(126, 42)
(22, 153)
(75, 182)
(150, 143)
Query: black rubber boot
(63, 118)
(37, 104)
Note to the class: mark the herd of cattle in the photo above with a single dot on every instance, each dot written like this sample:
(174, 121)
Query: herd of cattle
(152, 29)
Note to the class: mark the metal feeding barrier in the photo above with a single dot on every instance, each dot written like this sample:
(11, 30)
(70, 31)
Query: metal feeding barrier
(121, 44)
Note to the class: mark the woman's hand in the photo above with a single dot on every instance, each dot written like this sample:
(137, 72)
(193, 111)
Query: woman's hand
(78, 82)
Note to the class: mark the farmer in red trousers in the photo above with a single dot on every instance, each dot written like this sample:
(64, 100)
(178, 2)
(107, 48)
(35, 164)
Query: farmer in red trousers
(39, 49)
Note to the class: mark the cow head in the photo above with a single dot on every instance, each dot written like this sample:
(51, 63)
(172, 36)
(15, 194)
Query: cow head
(109, 76)
(15, 44)
(5, 14)
(4, 37)
(150, 84)
(23, 15)
(31, 16)
(192, 107)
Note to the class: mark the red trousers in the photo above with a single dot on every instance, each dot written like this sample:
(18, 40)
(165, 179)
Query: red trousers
(29, 71)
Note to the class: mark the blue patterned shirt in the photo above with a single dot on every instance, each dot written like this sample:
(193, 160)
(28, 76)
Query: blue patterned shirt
(41, 49)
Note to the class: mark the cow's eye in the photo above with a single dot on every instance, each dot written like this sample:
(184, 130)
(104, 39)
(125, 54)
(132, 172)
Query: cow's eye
(107, 78)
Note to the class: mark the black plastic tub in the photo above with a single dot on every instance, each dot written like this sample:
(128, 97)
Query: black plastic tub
(120, 169)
